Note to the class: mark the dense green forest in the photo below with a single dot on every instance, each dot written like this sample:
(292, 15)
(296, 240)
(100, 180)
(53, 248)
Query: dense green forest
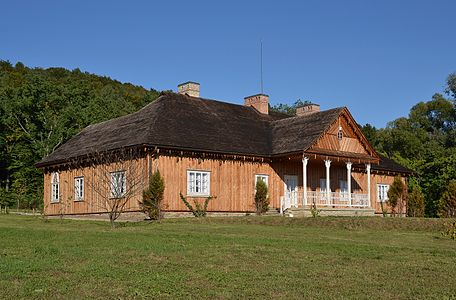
(42, 108)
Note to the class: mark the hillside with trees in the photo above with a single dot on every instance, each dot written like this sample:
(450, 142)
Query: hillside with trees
(42, 108)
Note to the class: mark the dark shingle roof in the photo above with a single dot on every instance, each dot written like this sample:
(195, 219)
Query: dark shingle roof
(177, 121)
(184, 122)
(298, 133)
(387, 164)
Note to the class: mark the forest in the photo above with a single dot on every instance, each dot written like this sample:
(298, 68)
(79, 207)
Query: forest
(42, 108)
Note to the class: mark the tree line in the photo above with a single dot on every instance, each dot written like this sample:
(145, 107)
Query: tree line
(41, 109)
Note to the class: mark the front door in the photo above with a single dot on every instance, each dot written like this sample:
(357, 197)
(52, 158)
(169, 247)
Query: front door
(291, 190)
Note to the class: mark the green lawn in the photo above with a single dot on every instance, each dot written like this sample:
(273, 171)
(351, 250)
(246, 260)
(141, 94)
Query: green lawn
(250, 257)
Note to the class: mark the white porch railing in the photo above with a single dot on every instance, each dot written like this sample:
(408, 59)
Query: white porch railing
(336, 199)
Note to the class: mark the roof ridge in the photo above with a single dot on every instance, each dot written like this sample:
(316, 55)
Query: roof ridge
(341, 108)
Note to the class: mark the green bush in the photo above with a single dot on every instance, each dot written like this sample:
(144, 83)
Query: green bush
(199, 210)
(6, 199)
(153, 197)
(261, 197)
(447, 203)
(415, 207)
(314, 211)
(396, 195)
(450, 230)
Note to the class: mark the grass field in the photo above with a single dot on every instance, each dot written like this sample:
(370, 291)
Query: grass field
(235, 258)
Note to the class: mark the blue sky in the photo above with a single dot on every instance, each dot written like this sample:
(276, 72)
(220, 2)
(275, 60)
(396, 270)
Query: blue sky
(378, 58)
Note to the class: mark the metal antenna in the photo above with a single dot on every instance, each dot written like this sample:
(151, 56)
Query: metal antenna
(261, 65)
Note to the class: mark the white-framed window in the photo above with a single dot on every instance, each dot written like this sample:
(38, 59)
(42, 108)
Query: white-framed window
(55, 187)
(382, 192)
(198, 183)
(264, 178)
(340, 134)
(78, 188)
(118, 184)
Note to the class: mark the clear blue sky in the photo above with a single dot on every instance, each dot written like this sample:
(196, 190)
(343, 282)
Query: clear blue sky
(376, 57)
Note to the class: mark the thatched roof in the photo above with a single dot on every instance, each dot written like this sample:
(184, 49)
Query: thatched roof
(182, 122)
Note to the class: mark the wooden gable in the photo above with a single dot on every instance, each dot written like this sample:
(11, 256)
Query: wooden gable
(352, 141)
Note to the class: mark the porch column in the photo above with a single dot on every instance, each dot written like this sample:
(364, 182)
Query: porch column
(305, 160)
(328, 186)
(349, 185)
(368, 168)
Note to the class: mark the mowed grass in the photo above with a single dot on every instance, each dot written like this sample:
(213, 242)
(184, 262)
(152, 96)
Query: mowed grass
(227, 258)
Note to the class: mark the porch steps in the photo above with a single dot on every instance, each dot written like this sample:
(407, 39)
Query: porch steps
(329, 211)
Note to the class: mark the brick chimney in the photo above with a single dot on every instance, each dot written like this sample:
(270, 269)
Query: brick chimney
(260, 102)
(307, 109)
(190, 88)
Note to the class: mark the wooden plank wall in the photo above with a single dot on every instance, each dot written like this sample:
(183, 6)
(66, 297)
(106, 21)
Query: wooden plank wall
(375, 179)
(92, 202)
(349, 143)
(232, 182)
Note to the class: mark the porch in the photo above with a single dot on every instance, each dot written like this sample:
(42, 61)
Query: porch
(321, 199)
(336, 186)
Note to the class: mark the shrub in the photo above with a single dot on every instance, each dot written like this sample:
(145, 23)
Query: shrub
(396, 195)
(153, 197)
(6, 199)
(261, 197)
(447, 203)
(199, 210)
(315, 212)
(415, 207)
(450, 230)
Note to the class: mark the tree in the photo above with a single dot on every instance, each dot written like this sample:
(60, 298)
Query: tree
(261, 197)
(451, 85)
(425, 142)
(447, 204)
(117, 177)
(6, 199)
(415, 207)
(153, 197)
(288, 109)
(42, 108)
(396, 195)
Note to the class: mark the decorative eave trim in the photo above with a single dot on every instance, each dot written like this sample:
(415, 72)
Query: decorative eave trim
(345, 112)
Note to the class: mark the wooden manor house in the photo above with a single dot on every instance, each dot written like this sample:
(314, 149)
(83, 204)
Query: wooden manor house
(207, 148)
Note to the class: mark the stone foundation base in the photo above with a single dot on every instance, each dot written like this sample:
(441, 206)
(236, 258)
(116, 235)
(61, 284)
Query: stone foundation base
(140, 216)
(305, 212)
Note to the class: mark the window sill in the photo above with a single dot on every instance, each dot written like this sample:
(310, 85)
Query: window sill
(55, 202)
(79, 200)
(198, 196)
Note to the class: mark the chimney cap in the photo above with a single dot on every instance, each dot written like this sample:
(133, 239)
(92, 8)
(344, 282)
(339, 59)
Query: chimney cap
(187, 82)
(189, 88)
(260, 94)
(308, 104)
(307, 109)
